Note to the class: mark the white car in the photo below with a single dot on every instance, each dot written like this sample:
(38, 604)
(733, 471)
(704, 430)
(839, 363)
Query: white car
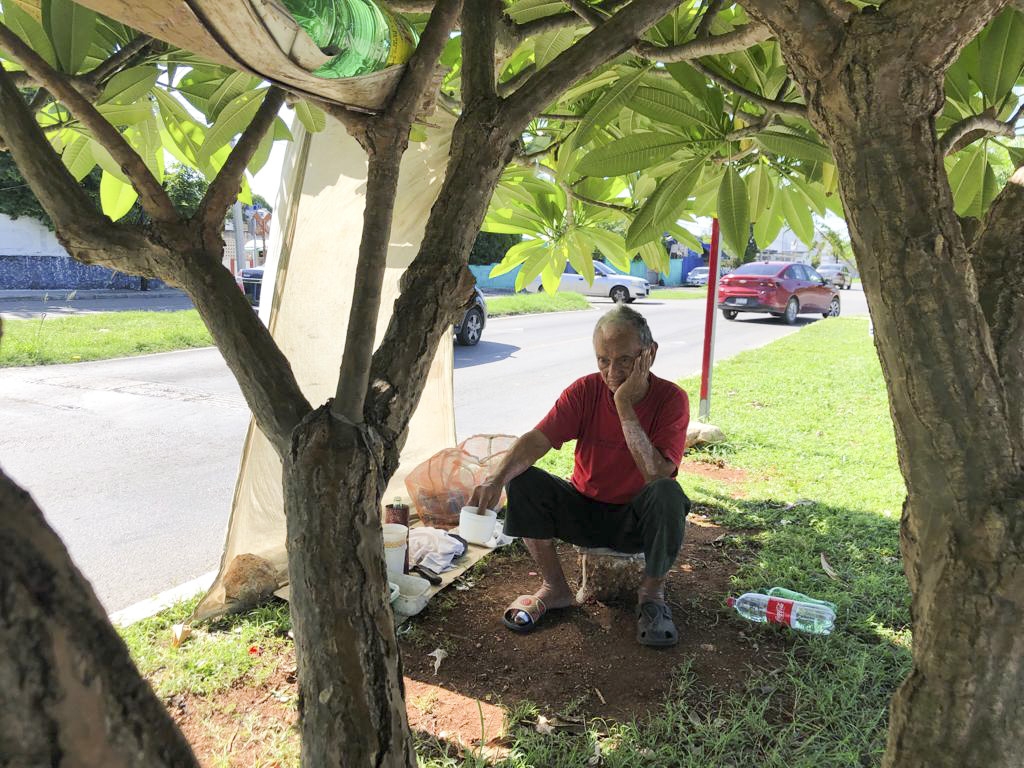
(607, 282)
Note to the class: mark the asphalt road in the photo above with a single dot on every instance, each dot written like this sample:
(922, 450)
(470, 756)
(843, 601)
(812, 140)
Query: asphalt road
(134, 460)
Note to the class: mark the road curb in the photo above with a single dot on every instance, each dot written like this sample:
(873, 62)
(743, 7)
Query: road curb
(151, 606)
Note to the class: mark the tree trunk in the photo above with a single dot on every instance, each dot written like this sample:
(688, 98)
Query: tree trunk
(71, 695)
(351, 698)
(962, 532)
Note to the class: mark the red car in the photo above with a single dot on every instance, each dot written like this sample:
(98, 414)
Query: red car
(781, 288)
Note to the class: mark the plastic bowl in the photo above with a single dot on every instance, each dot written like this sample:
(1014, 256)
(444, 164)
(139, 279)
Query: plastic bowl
(476, 528)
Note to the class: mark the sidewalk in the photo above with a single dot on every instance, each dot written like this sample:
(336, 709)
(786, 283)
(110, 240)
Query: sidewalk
(65, 294)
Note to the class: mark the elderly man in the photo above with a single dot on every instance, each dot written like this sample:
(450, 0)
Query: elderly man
(630, 428)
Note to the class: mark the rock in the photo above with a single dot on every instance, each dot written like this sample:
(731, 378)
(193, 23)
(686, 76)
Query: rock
(698, 433)
(249, 579)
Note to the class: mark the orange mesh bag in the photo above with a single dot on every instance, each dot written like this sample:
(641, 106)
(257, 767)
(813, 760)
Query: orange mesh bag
(441, 486)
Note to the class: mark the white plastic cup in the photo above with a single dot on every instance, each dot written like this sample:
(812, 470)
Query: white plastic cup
(396, 542)
(477, 528)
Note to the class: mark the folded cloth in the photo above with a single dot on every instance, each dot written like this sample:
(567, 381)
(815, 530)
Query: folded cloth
(434, 548)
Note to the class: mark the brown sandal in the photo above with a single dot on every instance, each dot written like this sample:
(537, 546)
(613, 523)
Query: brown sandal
(523, 613)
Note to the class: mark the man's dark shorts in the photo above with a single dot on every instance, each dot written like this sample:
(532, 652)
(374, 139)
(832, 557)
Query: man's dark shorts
(542, 506)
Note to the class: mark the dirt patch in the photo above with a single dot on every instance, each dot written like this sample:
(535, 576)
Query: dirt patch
(715, 469)
(584, 661)
(580, 662)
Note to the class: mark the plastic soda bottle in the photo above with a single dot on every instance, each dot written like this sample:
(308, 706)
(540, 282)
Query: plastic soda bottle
(805, 617)
(361, 36)
(790, 594)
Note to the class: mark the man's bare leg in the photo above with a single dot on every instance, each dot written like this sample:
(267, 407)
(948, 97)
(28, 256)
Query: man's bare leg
(555, 591)
(652, 590)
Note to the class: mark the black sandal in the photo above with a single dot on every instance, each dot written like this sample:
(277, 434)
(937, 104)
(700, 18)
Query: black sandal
(654, 626)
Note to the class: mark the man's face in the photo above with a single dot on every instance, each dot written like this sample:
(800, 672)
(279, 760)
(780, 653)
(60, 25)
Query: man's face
(617, 349)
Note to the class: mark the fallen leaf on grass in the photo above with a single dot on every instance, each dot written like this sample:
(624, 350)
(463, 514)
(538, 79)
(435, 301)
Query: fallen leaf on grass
(546, 726)
(828, 568)
(179, 634)
(439, 654)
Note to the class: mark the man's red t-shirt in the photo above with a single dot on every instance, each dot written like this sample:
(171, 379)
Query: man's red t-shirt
(605, 469)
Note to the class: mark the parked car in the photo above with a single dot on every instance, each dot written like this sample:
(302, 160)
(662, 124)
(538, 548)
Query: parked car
(837, 274)
(607, 282)
(780, 288)
(251, 281)
(471, 327)
(467, 331)
(699, 275)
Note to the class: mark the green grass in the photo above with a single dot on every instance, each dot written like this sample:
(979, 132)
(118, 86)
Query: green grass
(680, 293)
(533, 303)
(216, 656)
(807, 419)
(55, 339)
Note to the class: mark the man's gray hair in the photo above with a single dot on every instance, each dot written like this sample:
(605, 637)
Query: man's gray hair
(624, 317)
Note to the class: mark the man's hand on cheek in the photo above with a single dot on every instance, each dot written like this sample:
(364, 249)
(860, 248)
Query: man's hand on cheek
(633, 389)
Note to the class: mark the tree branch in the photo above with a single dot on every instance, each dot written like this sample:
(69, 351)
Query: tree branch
(704, 25)
(585, 11)
(779, 107)
(738, 39)
(969, 130)
(510, 85)
(152, 196)
(999, 272)
(387, 137)
(601, 203)
(615, 36)
(545, 24)
(117, 60)
(479, 32)
(932, 32)
(80, 226)
(224, 190)
(419, 70)
(809, 31)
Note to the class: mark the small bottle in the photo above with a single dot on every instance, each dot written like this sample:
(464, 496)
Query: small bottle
(360, 35)
(805, 617)
(789, 594)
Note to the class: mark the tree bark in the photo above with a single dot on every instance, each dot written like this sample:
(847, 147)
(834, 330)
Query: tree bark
(351, 696)
(962, 531)
(71, 694)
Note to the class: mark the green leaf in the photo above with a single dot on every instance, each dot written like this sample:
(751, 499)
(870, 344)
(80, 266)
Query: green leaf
(262, 154)
(548, 45)
(1001, 55)
(233, 86)
(516, 255)
(631, 154)
(312, 118)
(673, 109)
(794, 208)
(30, 31)
(129, 85)
(184, 137)
(531, 10)
(232, 121)
(972, 181)
(107, 163)
(126, 114)
(767, 228)
(792, 144)
(608, 106)
(663, 207)
(761, 190)
(70, 28)
(655, 256)
(116, 197)
(533, 266)
(812, 193)
(734, 211)
(1016, 156)
(611, 245)
(77, 157)
(581, 252)
(685, 237)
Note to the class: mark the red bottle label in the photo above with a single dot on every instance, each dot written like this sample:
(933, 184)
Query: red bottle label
(780, 611)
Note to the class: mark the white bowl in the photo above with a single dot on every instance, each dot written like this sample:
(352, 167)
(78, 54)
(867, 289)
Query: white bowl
(477, 528)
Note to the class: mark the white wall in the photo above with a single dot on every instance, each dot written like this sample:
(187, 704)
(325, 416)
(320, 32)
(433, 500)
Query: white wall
(25, 236)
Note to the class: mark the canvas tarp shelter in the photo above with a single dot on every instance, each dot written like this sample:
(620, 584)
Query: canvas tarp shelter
(306, 296)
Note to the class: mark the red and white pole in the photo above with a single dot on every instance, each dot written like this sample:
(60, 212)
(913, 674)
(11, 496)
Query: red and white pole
(704, 411)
